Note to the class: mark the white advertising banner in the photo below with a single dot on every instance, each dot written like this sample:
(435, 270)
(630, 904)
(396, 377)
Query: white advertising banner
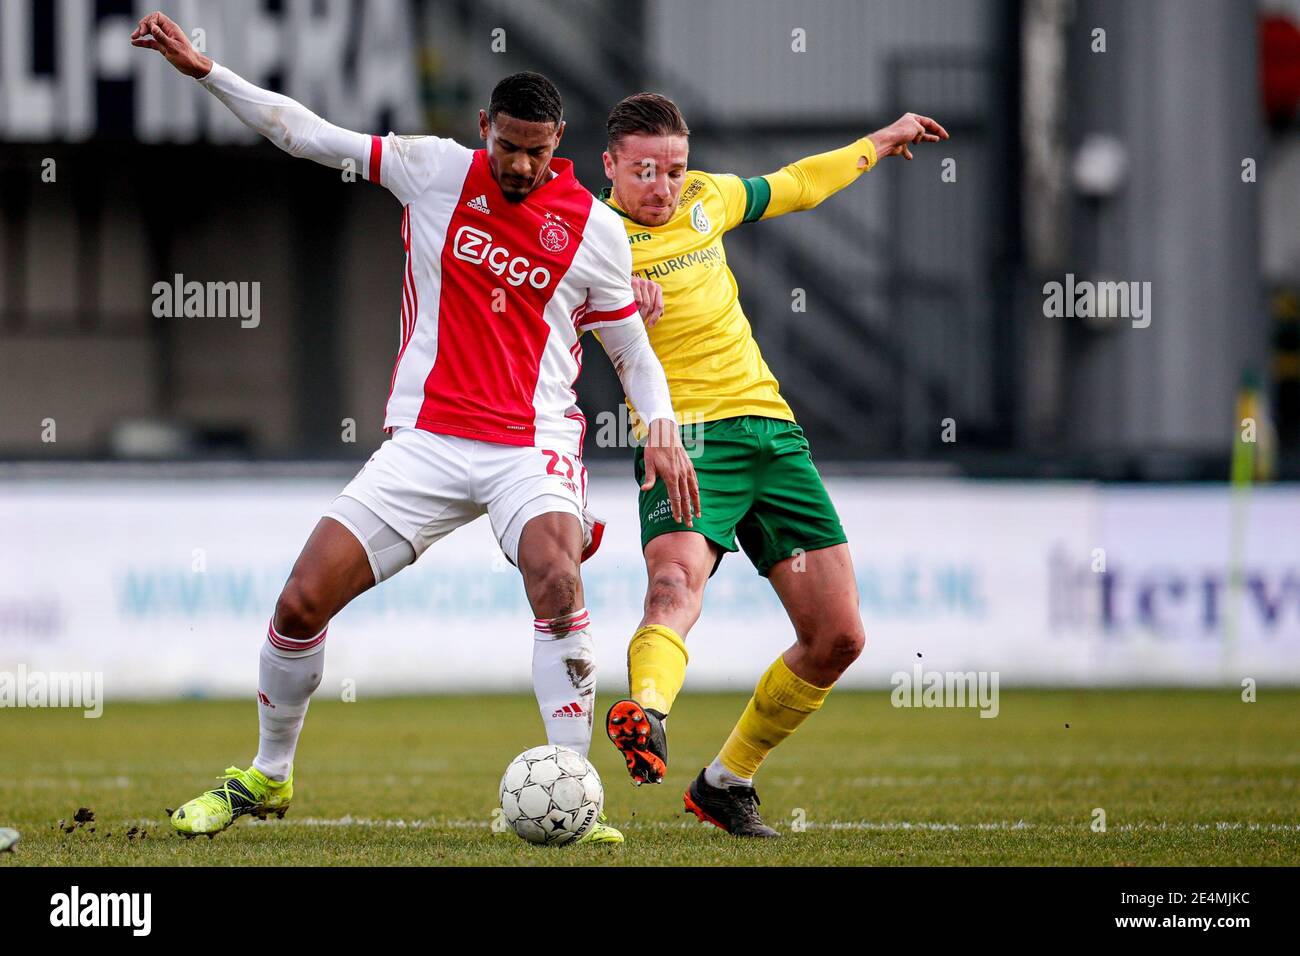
(166, 588)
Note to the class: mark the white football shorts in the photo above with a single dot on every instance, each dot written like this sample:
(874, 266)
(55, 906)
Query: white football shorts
(424, 485)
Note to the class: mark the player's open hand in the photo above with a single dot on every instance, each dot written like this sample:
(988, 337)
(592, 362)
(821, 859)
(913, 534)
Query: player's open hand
(666, 458)
(898, 138)
(157, 31)
(649, 297)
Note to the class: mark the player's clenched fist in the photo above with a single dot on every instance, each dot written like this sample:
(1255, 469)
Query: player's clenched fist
(157, 31)
(649, 297)
(898, 137)
(666, 458)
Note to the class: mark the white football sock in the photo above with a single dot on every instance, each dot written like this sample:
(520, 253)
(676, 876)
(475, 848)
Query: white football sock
(564, 679)
(289, 670)
(716, 775)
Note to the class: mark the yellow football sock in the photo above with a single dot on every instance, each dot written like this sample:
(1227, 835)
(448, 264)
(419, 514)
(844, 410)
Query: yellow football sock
(781, 702)
(656, 666)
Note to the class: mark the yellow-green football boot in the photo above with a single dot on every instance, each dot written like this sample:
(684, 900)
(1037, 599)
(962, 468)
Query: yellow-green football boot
(601, 832)
(243, 791)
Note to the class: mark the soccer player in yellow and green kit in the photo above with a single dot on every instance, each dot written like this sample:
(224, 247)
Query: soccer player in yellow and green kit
(757, 481)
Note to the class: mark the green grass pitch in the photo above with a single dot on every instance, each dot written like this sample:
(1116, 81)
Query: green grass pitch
(1184, 777)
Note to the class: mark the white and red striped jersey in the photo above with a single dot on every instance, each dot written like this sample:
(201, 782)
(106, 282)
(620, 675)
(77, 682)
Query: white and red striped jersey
(495, 294)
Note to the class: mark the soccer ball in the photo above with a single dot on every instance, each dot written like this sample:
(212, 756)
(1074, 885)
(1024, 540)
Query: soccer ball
(551, 795)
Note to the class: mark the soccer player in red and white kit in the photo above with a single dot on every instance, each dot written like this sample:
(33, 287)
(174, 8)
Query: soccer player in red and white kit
(508, 261)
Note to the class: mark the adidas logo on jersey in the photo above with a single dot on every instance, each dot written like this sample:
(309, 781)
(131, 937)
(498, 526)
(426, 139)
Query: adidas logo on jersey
(570, 710)
(479, 203)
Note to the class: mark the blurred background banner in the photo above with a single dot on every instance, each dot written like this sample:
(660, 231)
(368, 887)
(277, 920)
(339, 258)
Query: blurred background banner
(167, 587)
(1091, 292)
(920, 294)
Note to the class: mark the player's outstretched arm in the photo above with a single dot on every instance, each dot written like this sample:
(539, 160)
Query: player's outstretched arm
(805, 183)
(285, 122)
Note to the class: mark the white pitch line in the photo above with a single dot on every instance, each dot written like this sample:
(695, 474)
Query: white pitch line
(433, 823)
(351, 821)
(1052, 827)
(907, 825)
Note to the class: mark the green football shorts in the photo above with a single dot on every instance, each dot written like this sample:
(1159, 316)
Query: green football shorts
(758, 484)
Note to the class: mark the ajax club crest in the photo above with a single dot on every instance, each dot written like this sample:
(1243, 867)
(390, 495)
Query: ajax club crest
(553, 237)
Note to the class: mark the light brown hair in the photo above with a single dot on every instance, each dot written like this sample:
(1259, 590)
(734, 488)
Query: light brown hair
(648, 113)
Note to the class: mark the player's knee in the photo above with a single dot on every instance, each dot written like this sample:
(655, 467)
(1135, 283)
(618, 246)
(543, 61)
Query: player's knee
(846, 646)
(837, 648)
(672, 588)
(301, 611)
(553, 589)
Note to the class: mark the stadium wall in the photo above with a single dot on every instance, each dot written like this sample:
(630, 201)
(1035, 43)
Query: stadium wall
(166, 587)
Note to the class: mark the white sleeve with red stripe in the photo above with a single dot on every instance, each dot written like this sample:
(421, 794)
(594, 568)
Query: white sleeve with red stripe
(608, 258)
(406, 165)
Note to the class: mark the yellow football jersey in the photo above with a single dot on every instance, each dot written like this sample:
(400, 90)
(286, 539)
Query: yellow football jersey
(704, 341)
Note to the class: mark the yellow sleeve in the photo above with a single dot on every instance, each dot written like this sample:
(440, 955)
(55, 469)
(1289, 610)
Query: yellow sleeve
(805, 183)
(734, 193)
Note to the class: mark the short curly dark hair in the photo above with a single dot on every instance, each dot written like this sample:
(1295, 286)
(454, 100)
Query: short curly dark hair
(527, 96)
